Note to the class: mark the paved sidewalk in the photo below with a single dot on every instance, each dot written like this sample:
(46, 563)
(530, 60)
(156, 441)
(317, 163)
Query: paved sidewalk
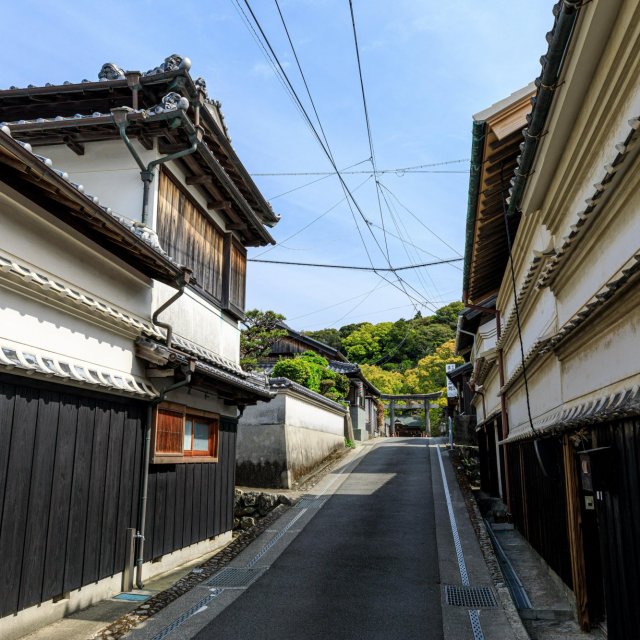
(463, 564)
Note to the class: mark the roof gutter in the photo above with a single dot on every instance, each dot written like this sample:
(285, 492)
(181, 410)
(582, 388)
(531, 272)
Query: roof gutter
(566, 13)
(477, 148)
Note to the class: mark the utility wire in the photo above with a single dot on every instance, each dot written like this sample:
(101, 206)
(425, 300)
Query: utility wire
(308, 184)
(401, 283)
(431, 231)
(347, 266)
(306, 226)
(398, 170)
(368, 123)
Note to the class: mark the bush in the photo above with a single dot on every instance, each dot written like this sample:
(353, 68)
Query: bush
(312, 371)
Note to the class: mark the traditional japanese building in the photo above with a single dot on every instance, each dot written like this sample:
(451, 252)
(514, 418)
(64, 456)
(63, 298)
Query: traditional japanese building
(556, 360)
(125, 217)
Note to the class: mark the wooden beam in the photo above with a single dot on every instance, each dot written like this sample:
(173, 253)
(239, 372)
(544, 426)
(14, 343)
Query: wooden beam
(220, 205)
(166, 148)
(236, 227)
(145, 142)
(199, 179)
(74, 145)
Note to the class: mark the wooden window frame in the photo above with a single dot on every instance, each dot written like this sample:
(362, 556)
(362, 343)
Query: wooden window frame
(183, 456)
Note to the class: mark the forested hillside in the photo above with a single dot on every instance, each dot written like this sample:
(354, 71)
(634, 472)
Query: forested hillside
(393, 346)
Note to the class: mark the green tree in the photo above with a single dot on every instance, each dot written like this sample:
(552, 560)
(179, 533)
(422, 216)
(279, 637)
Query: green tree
(258, 336)
(312, 371)
(366, 344)
(327, 336)
(391, 382)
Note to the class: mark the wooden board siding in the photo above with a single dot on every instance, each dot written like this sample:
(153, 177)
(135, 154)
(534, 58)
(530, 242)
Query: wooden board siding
(70, 465)
(188, 503)
(60, 522)
(618, 514)
(538, 502)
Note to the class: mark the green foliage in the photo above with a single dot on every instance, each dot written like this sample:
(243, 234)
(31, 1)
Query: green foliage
(312, 371)
(391, 382)
(365, 345)
(349, 444)
(330, 337)
(259, 334)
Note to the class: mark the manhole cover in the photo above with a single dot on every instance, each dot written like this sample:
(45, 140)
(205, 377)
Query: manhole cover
(470, 597)
(235, 577)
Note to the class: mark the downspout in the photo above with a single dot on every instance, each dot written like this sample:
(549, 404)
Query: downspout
(146, 171)
(182, 282)
(144, 481)
(146, 454)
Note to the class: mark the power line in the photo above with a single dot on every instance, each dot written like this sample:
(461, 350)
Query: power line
(431, 231)
(346, 266)
(327, 151)
(308, 184)
(306, 226)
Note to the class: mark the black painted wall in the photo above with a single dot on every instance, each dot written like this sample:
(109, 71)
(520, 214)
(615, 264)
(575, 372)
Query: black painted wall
(70, 465)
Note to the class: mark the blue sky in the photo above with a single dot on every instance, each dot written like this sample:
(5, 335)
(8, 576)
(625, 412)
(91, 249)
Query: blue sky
(427, 67)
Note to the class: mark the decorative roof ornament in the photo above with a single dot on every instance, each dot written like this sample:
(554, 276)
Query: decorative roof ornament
(110, 71)
(201, 84)
(171, 102)
(174, 62)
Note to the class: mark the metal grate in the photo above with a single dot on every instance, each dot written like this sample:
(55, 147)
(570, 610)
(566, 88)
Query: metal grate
(309, 503)
(470, 597)
(235, 577)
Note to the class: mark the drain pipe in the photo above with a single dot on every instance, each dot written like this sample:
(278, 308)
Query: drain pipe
(182, 282)
(144, 482)
(146, 171)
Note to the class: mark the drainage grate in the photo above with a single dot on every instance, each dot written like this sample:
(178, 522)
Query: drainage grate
(309, 503)
(235, 577)
(470, 597)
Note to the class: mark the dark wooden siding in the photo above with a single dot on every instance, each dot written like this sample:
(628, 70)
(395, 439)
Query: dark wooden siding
(191, 502)
(618, 514)
(538, 502)
(67, 489)
(70, 465)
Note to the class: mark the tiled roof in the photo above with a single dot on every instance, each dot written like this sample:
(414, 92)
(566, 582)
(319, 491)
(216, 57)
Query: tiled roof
(571, 416)
(41, 363)
(285, 383)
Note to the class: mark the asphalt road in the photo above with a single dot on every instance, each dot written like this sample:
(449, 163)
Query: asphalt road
(365, 566)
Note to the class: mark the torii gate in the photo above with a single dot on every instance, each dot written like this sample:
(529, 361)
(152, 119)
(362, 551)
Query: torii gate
(424, 397)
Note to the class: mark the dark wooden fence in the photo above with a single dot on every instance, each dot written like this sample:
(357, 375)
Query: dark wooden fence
(70, 465)
(538, 501)
(618, 515)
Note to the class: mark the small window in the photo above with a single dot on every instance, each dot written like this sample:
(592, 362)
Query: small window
(183, 434)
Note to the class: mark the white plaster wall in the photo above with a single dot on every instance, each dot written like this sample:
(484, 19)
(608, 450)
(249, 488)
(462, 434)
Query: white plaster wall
(198, 320)
(301, 413)
(291, 433)
(107, 170)
(539, 321)
(545, 395)
(57, 250)
(613, 244)
(31, 323)
(610, 358)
